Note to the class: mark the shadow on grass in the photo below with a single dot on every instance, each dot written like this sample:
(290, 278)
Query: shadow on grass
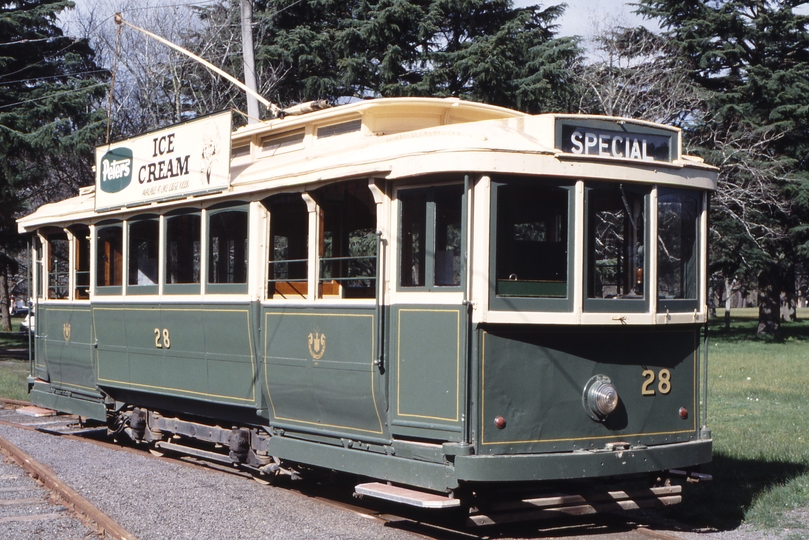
(742, 330)
(723, 503)
(13, 345)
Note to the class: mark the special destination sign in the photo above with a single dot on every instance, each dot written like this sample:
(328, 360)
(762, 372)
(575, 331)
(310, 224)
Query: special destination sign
(182, 160)
(598, 142)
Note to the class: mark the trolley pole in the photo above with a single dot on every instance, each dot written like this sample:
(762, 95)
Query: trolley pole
(248, 55)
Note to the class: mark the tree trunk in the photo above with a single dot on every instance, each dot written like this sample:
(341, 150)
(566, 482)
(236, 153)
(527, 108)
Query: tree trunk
(769, 303)
(789, 297)
(5, 315)
(728, 299)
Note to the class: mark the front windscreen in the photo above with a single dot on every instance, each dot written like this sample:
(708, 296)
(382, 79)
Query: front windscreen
(532, 241)
(615, 251)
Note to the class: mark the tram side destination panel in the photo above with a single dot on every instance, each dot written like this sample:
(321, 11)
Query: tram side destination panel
(320, 370)
(199, 353)
(535, 382)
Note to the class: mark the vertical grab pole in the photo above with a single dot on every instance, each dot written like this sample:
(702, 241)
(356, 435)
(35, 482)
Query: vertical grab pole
(466, 278)
(379, 201)
(30, 307)
(704, 431)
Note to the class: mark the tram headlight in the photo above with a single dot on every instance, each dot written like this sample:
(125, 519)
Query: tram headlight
(600, 397)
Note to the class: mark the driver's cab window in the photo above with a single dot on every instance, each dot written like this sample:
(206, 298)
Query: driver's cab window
(617, 259)
(531, 245)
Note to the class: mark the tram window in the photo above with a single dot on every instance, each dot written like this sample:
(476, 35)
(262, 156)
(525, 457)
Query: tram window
(348, 242)
(108, 256)
(615, 248)
(414, 210)
(677, 233)
(289, 247)
(448, 211)
(58, 254)
(227, 247)
(183, 248)
(431, 237)
(143, 250)
(81, 265)
(532, 241)
(39, 253)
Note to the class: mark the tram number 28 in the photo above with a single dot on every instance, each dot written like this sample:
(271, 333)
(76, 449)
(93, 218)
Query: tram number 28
(663, 382)
(162, 339)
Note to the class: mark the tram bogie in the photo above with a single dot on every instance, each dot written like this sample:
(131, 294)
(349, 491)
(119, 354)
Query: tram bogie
(449, 297)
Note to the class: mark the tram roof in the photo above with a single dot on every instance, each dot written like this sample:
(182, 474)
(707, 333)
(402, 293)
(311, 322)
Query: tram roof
(398, 138)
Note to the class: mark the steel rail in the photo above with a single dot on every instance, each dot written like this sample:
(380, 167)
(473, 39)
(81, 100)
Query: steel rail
(48, 477)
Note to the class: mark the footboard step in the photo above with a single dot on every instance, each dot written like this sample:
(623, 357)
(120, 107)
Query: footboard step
(575, 505)
(37, 412)
(402, 495)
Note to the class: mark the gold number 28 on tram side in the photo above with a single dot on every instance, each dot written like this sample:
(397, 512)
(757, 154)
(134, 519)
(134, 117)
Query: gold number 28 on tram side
(663, 385)
(165, 342)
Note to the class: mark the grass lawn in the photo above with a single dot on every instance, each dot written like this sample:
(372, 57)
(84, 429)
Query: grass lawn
(758, 410)
(13, 363)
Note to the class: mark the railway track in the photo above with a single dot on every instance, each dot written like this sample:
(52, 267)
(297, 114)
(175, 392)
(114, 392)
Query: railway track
(425, 524)
(64, 499)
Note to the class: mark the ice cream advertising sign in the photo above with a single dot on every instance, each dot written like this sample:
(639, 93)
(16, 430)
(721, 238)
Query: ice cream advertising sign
(182, 160)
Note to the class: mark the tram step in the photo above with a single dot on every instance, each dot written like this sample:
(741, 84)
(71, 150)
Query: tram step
(576, 505)
(402, 495)
(37, 412)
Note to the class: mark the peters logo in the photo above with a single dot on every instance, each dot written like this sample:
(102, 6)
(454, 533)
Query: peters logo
(116, 170)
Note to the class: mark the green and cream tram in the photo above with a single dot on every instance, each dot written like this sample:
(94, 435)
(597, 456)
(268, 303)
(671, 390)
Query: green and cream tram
(442, 296)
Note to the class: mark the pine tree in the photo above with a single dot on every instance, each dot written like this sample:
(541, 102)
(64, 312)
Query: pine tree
(482, 50)
(753, 56)
(48, 125)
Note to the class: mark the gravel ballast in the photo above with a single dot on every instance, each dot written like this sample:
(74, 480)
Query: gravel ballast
(165, 499)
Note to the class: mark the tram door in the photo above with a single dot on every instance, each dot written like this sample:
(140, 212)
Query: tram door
(428, 323)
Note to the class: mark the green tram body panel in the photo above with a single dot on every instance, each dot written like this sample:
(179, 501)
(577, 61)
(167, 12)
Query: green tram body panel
(65, 347)
(320, 370)
(428, 372)
(199, 352)
(313, 373)
(534, 378)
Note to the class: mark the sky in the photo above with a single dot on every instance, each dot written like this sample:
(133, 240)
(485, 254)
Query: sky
(583, 17)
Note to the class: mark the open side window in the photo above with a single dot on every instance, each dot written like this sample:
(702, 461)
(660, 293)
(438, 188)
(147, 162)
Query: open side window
(288, 267)
(81, 262)
(143, 251)
(109, 259)
(227, 249)
(183, 252)
(58, 266)
(347, 240)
